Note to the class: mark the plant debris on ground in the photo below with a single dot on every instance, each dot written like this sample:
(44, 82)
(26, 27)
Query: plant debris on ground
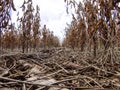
(59, 69)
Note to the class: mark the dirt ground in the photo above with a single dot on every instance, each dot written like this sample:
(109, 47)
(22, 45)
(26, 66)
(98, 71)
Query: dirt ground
(60, 69)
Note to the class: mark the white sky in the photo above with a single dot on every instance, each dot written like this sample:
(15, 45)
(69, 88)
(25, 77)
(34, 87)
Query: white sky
(52, 13)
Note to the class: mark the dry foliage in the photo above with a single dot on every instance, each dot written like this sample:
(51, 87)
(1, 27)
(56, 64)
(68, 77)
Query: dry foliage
(94, 29)
(95, 25)
(48, 39)
(57, 69)
(28, 36)
(5, 8)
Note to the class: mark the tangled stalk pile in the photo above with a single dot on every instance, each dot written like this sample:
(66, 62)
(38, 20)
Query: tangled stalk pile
(60, 69)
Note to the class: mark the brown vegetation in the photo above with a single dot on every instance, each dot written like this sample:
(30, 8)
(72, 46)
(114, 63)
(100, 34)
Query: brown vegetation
(89, 57)
(5, 7)
(27, 36)
(57, 69)
(94, 25)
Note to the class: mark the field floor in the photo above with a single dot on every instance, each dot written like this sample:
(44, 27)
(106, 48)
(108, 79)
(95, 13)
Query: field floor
(60, 69)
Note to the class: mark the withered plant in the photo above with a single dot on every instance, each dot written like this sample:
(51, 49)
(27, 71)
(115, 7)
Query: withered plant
(5, 9)
(36, 28)
(96, 28)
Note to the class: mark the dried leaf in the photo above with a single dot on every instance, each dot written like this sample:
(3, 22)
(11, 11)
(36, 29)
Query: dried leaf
(13, 7)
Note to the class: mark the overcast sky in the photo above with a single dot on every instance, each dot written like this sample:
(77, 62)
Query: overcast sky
(52, 13)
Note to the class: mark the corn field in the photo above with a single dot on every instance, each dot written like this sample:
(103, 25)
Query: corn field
(88, 58)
